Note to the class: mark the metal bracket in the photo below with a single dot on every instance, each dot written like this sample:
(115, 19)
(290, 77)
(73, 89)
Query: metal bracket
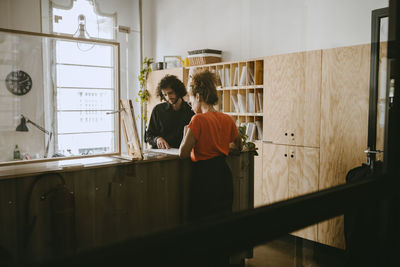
(368, 151)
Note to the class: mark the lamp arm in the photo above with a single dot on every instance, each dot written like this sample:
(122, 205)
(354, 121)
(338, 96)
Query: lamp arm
(43, 130)
(39, 127)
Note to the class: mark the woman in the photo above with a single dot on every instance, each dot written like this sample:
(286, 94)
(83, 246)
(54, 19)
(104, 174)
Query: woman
(208, 139)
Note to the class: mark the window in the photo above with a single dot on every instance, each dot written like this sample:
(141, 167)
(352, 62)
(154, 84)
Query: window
(85, 81)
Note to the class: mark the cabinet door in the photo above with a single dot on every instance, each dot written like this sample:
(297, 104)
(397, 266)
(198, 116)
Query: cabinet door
(8, 221)
(279, 78)
(344, 123)
(275, 169)
(292, 98)
(305, 115)
(303, 179)
(258, 175)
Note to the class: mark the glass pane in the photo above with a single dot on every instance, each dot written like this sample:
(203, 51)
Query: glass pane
(382, 77)
(79, 76)
(85, 144)
(34, 113)
(85, 99)
(84, 121)
(98, 26)
(74, 53)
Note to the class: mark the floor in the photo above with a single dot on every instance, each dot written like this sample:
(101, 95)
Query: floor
(295, 252)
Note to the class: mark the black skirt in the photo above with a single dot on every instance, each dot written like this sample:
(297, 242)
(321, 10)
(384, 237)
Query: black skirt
(211, 189)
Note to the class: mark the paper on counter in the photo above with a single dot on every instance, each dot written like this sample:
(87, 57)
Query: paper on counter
(171, 151)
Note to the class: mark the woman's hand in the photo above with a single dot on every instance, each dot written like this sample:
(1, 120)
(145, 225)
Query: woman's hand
(237, 145)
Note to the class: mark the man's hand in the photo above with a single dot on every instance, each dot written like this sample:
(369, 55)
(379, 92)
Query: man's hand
(161, 143)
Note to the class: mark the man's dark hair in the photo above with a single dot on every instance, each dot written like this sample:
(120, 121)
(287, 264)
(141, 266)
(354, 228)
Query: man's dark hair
(171, 81)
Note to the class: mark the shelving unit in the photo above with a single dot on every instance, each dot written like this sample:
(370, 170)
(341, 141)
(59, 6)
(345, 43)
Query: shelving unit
(240, 88)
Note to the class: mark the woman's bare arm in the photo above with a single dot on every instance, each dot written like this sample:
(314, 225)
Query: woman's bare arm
(187, 144)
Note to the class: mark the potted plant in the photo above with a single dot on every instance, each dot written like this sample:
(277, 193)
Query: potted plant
(247, 146)
(143, 92)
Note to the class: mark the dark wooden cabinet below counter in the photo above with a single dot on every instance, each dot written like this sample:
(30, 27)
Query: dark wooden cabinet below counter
(56, 213)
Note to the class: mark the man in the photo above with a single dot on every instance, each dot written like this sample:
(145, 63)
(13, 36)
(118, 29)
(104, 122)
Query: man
(168, 119)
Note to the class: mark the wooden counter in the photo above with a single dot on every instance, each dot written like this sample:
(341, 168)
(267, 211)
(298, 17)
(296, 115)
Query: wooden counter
(47, 209)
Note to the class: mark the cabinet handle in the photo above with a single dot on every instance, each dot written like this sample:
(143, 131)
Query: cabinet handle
(285, 155)
(285, 134)
(292, 134)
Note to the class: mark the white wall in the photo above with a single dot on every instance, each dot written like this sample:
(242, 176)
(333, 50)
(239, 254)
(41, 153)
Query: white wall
(21, 15)
(245, 29)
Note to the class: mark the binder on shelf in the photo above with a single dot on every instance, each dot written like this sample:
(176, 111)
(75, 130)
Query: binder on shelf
(234, 100)
(257, 103)
(250, 102)
(259, 96)
(221, 77)
(227, 77)
(250, 131)
(242, 103)
(235, 76)
(259, 130)
(242, 80)
(250, 76)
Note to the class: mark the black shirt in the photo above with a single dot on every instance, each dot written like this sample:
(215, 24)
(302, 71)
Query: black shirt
(167, 123)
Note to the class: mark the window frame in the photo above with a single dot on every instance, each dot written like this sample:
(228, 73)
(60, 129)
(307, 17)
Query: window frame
(54, 65)
(117, 96)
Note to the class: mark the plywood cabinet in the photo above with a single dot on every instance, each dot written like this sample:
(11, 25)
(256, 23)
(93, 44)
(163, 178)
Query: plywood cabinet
(275, 173)
(258, 175)
(303, 178)
(344, 123)
(316, 99)
(292, 98)
(290, 171)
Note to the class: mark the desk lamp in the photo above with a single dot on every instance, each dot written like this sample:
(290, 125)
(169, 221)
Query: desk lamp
(22, 127)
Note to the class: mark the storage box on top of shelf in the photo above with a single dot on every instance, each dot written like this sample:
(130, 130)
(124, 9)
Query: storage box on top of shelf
(204, 56)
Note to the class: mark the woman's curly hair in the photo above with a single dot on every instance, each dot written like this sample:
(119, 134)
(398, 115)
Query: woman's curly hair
(171, 81)
(204, 84)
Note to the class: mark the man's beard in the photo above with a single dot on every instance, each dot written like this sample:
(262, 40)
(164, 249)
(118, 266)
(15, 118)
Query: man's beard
(174, 102)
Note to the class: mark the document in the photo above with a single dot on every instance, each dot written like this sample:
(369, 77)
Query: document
(171, 151)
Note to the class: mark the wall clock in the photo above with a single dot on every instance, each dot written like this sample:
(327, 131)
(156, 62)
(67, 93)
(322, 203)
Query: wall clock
(18, 82)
